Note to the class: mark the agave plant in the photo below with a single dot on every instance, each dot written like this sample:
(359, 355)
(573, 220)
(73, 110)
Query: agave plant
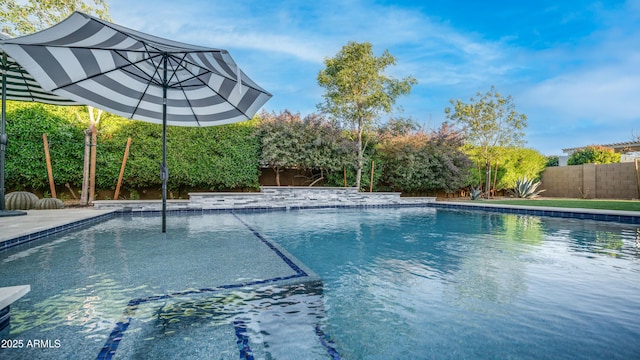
(526, 188)
(476, 193)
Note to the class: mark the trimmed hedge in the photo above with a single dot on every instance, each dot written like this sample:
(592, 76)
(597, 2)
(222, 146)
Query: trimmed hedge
(212, 158)
(26, 168)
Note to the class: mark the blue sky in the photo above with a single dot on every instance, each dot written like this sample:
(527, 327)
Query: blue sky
(573, 67)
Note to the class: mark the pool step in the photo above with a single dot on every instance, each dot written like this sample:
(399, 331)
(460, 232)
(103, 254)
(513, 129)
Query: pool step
(8, 295)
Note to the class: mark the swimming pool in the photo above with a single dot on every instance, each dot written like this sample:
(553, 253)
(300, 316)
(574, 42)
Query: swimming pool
(396, 283)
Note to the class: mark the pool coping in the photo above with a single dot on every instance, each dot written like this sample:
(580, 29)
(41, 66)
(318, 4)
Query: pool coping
(86, 216)
(42, 223)
(620, 216)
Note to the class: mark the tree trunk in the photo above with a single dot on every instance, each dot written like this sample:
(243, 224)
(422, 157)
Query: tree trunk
(488, 180)
(360, 157)
(84, 197)
(495, 180)
(277, 170)
(92, 169)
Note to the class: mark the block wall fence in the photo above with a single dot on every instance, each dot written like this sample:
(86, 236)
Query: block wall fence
(593, 181)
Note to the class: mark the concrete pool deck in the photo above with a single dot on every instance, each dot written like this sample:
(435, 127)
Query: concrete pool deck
(43, 222)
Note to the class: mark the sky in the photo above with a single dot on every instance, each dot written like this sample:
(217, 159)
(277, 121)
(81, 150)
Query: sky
(572, 67)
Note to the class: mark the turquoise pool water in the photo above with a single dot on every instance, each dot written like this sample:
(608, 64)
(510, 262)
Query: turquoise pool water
(396, 283)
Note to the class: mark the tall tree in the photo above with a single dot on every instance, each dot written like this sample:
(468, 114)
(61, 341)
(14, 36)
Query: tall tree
(490, 121)
(18, 18)
(21, 18)
(357, 91)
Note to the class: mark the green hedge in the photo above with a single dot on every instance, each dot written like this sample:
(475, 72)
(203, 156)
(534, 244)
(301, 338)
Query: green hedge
(209, 158)
(26, 167)
(228, 157)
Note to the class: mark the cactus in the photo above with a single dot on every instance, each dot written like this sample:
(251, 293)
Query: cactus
(20, 200)
(49, 203)
(526, 188)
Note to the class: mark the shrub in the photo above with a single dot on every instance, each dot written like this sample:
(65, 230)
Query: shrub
(553, 160)
(288, 141)
(422, 162)
(593, 154)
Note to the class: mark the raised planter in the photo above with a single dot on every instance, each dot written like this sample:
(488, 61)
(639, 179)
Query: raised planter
(270, 197)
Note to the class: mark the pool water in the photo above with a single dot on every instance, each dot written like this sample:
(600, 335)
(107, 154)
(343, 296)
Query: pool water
(396, 283)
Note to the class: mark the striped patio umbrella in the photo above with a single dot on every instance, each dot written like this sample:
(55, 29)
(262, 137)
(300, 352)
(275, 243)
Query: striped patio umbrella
(138, 76)
(18, 84)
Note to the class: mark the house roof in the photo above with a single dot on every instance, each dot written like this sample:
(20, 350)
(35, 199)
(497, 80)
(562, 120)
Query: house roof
(628, 146)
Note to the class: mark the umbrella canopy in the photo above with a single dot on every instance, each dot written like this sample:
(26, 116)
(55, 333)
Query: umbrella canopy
(138, 76)
(21, 86)
(18, 84)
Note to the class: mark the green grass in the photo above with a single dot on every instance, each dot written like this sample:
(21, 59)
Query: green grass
(626, 205)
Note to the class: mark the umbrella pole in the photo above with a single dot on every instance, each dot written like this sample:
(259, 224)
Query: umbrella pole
(3, 134)
(164, 171)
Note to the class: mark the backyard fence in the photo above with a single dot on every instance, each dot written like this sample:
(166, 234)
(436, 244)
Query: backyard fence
(593, 181)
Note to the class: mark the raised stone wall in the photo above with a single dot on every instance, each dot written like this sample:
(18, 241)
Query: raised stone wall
(271, 197)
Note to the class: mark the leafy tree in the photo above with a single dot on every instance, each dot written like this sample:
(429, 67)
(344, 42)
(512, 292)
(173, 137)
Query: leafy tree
(357, 90)
(370, 157)
(326, 149)
(553, 160)
(490, 121)
(421, 162)
(20, 18)
(280, 141)
(594, 154)
(291, 142)
(399, 127)
(508, 165)
(518, 163)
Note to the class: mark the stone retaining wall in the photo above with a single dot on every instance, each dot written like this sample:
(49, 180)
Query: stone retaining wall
(270, 197)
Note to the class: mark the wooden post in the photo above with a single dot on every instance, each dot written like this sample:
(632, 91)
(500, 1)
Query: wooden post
(637, 178)
(124, 163)
(373, 164)
(345, 176)
(52, 185)
(92, 166)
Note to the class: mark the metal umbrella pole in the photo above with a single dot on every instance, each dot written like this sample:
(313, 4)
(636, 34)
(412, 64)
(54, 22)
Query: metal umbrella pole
(3, 132)
(164, 171)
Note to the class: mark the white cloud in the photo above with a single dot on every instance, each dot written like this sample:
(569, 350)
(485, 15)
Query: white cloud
(601, 94)
(301, 49)
(587, 80)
